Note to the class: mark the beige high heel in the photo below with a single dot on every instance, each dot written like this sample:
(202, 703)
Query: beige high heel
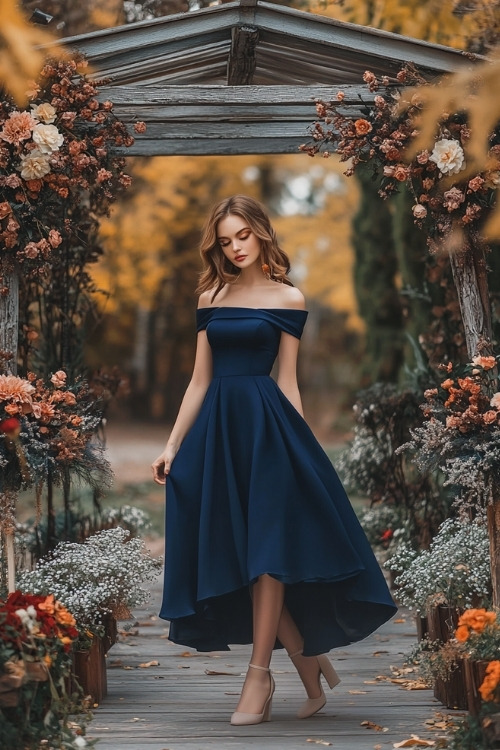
(240, 718)
(313, 705)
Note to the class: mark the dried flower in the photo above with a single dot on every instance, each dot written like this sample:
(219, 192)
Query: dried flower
(362, 127)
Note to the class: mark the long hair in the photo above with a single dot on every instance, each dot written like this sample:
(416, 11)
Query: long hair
(218, 270)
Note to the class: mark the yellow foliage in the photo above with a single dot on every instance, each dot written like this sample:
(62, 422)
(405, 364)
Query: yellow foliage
(20, 58)
(476, 92)
(448, 22)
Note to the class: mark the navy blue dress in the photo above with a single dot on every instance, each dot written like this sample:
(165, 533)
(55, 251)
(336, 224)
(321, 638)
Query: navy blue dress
(251, 491)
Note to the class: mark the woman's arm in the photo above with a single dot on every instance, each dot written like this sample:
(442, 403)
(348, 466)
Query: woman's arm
(287, 369)
(189, 409)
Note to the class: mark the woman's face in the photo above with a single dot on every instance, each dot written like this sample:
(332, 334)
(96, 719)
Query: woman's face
(239, 244)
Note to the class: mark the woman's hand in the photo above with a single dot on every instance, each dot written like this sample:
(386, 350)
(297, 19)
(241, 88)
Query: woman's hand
(161, 466)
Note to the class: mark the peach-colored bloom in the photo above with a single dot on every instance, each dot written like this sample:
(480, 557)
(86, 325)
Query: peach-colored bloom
(492, 179)
(12, 409)
(140, 127)
(423, 157)
(103, 174)
(419, 211)
(47, 412)
(31, 250)
(18, 127)
(361, 126)
(446, 384)
(34, 165)
(69, 398)
(495, 401)
(490, 416)
(401, 172)
(476, 183)
(5, 209)
(59, 379)
(15, 389)
(44, 112)
(453, 199)
(487, 363)
(55, 238)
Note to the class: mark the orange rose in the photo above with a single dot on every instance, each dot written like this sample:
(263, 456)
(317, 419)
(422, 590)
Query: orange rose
(362, 127)
(491, 681)
(48, 605)
(63, 617)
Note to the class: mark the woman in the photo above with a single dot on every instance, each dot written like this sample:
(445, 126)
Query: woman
(262, 544)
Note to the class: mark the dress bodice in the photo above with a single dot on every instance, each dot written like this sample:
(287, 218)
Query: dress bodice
(245, 341)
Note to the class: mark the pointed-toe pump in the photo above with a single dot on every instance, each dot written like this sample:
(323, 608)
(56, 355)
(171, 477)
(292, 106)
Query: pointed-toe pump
(240, 718)
(313, 705)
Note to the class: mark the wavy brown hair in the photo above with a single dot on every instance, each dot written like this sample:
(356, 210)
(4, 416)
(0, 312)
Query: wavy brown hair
(218, 269)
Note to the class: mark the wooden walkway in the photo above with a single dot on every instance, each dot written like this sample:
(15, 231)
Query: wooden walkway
(164, 697)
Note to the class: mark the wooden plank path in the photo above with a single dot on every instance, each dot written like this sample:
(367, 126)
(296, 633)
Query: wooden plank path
(178, 706)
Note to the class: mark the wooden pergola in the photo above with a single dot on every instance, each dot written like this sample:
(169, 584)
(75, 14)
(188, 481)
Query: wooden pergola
(242, 77)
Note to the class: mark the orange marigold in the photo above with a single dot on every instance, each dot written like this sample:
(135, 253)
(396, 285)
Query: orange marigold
(462, 633)
(477, 619)
(491, 681)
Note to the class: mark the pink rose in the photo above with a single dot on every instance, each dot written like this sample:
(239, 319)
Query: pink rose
(419, 211)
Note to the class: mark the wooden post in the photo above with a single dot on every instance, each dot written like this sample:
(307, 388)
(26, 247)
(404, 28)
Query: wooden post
(468, 265)
(494, 534)
(9, 321)
(9, 316)
(470, 276)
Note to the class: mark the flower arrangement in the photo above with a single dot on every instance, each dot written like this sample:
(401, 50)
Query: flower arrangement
(402, 500)
(479, 632)
(100, 576)
(48, 428)
(461, 436)
(454, 570)
(48, 155)
(445, 193)
(37, 634)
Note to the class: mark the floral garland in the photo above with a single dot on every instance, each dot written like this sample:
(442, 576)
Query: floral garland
(461, 435)
(48, 156)
(48, 428)
(445, 194)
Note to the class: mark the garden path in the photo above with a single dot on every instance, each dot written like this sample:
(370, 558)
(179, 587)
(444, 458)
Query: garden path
(179, 702)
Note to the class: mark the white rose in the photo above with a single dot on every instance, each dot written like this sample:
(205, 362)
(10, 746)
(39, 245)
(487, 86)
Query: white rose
(448, 156)
(34, 165)
(47, 138)
(44, 112)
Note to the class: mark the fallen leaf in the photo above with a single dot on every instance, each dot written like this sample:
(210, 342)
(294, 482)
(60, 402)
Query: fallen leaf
(186, 654)
(318, 742)
(147, 664)
(144, 624)
(415, 741)
(115, 663)
(357, 692)
(377, 653)
(136, 719)
(400, 619)
(372, 725)
(370, 682)
(215, 672)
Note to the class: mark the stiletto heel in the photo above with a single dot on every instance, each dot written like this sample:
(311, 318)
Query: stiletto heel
(240, 718)
(313, 705)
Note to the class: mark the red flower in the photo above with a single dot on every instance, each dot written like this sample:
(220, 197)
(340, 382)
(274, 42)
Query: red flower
(386, 535)
(10, 426)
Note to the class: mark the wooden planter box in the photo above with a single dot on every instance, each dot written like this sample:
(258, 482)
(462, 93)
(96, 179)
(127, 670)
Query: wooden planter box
(452, 692)
(422, 627)
(475, 671)
(89, 667)
(10, 684)
(442, 622)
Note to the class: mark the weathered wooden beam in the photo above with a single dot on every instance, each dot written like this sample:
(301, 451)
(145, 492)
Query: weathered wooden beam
(9, 316)
(241, 61)
(214, 147)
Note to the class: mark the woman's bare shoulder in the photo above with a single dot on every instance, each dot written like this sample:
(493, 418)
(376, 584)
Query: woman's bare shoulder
(205, 299)
(292, 297)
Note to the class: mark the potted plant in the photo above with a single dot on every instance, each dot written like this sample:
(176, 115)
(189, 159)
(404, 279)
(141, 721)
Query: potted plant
(98, 580)
(37, 634)
(478, 633)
